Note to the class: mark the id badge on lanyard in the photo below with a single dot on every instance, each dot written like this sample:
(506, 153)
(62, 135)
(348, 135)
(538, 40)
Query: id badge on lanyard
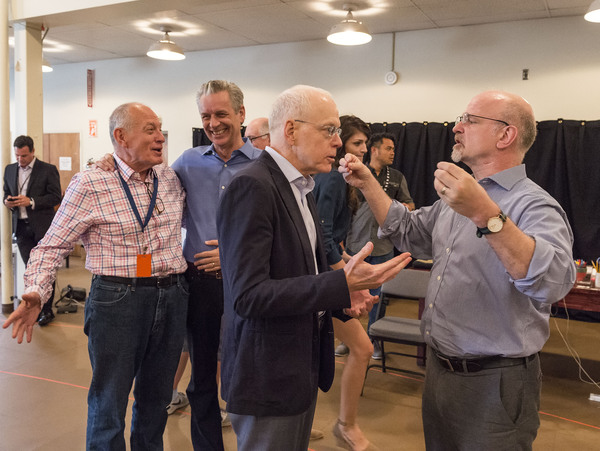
(144, 265)
(144, 260)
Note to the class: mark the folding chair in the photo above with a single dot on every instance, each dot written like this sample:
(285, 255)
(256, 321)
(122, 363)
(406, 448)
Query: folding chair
(408, 284)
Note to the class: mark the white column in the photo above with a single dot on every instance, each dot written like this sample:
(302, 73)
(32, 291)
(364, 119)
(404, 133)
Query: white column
(28, 107)
(5, 153)
(28, 84)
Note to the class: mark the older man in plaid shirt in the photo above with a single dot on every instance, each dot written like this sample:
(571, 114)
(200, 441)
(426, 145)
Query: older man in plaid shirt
(129, 222)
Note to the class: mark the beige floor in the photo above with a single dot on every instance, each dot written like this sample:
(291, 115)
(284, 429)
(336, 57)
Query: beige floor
(43, 389)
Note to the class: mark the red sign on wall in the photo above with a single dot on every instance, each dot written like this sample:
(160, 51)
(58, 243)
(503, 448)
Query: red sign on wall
(93, 129)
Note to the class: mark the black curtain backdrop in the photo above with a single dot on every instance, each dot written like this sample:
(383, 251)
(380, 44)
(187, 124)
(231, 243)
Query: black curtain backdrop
(564, 160)
(199, 138)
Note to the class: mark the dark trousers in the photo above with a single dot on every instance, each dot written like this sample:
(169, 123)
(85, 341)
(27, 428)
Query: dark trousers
(290, 433)
(205, 310)
(26, 241)
(493, 409)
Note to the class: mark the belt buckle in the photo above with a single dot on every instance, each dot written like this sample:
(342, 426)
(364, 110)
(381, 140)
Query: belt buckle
(218, 275)
(163, 281)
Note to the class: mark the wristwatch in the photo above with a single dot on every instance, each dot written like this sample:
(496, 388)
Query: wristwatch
(494, 225)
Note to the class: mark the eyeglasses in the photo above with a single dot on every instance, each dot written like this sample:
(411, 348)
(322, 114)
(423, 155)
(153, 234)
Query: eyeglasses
(466, 119)
(159, 207)
(252, 138)
(330, 129)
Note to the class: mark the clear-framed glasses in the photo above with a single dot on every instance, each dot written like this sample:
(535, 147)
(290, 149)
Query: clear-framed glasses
(330, 129)
(252, 138)
(159, 207)
(466, 119)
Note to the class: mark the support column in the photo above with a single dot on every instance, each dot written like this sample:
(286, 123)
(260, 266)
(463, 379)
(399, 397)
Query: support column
(29, 93)
(5, 153)
(28, 109)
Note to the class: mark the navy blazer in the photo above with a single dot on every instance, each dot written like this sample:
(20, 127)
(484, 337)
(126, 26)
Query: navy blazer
(274, 353)
(43, 187)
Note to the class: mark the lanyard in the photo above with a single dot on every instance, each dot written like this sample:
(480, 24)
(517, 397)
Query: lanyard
(132, 203)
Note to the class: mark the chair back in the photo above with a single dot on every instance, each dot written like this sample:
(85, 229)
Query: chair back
(408, 284)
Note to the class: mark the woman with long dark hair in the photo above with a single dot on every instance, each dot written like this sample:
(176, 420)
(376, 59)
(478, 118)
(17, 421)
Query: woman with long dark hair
(336, 202)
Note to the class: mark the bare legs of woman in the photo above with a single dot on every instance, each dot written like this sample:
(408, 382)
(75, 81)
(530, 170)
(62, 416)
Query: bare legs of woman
(346, 429)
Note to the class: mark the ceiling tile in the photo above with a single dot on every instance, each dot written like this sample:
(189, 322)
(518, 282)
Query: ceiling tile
(128, 29)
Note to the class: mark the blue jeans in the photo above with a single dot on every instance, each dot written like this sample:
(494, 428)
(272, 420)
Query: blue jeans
(134, 333)
(377, 291)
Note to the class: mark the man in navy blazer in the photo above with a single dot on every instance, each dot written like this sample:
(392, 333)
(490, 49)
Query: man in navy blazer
(279, 292)
(31, 191)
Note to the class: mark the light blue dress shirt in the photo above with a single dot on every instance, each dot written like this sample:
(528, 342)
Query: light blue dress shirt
(473, 306)
(204, 175)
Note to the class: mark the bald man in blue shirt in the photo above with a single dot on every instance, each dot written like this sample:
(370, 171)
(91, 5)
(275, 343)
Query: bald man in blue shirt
(501, 248)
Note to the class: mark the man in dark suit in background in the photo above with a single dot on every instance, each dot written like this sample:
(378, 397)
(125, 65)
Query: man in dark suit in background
(279, 292)
(31, 191)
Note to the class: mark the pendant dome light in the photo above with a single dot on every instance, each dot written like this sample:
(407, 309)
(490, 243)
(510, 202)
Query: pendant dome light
(350, 31)
(46, 67)
(165, 49)
(593, 14)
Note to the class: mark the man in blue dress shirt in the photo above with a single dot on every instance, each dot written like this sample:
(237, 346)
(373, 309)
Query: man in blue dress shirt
(205, 172)
(501, 248)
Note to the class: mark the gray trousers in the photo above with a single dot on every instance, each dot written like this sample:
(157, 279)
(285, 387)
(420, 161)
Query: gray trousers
(274, 433)
(492, 410)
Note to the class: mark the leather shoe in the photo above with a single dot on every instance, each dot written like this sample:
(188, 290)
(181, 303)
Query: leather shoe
(45, 318)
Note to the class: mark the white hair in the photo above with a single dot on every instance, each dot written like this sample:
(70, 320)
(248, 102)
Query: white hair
(292, 104)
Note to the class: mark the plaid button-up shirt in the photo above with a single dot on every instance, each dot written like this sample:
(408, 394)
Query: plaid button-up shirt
(96, 211)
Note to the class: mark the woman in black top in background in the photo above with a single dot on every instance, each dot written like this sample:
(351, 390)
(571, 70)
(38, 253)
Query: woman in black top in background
(336, 202)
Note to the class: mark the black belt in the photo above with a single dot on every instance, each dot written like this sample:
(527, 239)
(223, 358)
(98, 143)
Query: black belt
(195, 272)
(159, 282)
(483, 363)
(26, 220)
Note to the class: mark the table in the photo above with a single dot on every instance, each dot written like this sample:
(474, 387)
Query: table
(582, 302)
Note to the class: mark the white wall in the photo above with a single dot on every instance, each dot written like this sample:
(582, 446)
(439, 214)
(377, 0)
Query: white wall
(440, 70)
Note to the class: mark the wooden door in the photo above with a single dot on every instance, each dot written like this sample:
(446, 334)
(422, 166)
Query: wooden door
(63, 147)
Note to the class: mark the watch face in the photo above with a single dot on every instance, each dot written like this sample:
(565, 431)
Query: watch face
(495, 224)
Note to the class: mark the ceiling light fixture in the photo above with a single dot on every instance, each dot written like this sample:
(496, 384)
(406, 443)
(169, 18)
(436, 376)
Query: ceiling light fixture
(593, 14)
(165, 49)
(350, 31)
(46, 67)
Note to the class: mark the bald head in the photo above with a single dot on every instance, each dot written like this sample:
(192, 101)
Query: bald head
(136, 135)
(257, 131)
(493, 133)
(516, 111)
